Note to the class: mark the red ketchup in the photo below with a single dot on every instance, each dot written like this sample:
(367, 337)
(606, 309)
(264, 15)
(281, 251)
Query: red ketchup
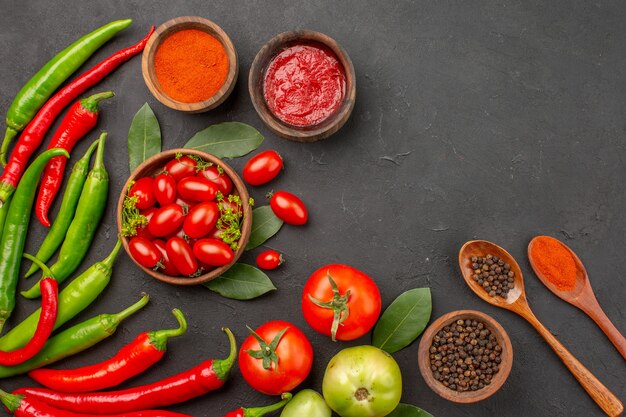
(304, 84)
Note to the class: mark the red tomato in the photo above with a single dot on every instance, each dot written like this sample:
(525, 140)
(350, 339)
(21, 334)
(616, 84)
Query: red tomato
(184, 203)
(143, 189)
(270, 259)
(196, 189)
(167, 266)
(262, 168)
(181, 255)
(220, 179)
(143, 231)
(215, 233)
(289, 208)
(182, 167)
(165, 189)
(213, 252)
(166, 220)
(294, 353)
(144, 252)
(201, 219)
(358, 313)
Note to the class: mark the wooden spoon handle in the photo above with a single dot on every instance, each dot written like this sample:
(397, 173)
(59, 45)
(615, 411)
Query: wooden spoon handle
(592, 308)
(600, 394)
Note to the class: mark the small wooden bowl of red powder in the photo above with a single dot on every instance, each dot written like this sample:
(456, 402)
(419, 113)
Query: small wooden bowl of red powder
(303, 85)
(190, 64)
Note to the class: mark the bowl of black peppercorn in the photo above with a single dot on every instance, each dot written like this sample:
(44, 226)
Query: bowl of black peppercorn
(465, 356)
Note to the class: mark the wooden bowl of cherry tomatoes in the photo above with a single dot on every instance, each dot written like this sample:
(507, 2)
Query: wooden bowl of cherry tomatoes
(184, 216)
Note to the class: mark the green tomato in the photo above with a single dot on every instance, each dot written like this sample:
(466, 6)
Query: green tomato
(362, 381)
(306, 403)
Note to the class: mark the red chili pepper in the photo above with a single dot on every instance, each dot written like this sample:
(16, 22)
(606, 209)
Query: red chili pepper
(260, 411)
(34, 133)
(45, 325)
(21, 406)
(201, 379)
(79, 120)
(134, 358)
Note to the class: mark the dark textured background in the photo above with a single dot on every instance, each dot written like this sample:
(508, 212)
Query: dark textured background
(498, 120)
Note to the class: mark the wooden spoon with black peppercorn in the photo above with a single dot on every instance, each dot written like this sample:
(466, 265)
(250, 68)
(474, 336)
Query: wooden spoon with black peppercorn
(516, 302)
(581, 296)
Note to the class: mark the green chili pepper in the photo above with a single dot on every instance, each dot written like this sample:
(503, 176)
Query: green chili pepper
(74, 298)
(15, 230)
(89, 212)
(39, 88)
(57, 232)
(75, 339)
(3, 214)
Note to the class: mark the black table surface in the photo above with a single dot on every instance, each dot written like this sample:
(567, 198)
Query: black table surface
(496, 120)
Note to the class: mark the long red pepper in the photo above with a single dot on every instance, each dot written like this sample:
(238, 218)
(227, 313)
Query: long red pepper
(201, 379)
(34, 133)
(21, 406)
(260, 411)
(134, 358)
(80, 119)
(45, 325)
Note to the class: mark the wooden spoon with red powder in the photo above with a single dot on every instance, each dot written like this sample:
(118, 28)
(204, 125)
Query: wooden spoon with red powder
(558, 267)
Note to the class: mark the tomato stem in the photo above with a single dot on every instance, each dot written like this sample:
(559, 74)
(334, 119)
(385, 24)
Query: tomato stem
(267, 352)
(339, 305)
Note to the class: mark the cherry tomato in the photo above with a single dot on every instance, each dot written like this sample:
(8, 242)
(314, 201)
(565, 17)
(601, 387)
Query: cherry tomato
(201, 219)
(165, 189)
(144, 252)
(143, 189)
(181, 255)
(262, 168)
(220, 179)
(143, 231)
(184, 203)
(289, 208)
(358, 312)
(292, 363)
(213, 252)
(270, 259)
(215, 233)
(167, 266)
(182, 167)
(166, 220)
(196, 189)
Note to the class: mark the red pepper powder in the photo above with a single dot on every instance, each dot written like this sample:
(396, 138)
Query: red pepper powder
(191, 65)
(552, 259)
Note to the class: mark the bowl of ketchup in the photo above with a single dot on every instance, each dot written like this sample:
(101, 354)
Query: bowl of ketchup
(302, 85)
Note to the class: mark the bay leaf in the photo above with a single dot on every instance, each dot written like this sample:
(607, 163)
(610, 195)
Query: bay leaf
(265, 224)
(144, 137)
(407, 410)
(241, 282)
(226, 140)
(403, 321)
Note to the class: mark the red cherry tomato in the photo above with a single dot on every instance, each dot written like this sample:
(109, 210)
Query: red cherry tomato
(184, 203)
(182, 167)
(167, 266)
(294, 357)
(270, 259)
(220, 179)
(166, 220)
(196, 189)
(213, 252)
(165, 189)
(215, 233)
(262, 168)
(289, 208)
(201, 219)
(143, 189)
(144, 252)
(181, 255)
(360, 310)
(143, 231)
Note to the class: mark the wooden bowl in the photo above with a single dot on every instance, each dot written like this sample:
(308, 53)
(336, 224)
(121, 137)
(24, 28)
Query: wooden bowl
(257, 75)
(153, 165)
(165, 30)
(467, 396)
